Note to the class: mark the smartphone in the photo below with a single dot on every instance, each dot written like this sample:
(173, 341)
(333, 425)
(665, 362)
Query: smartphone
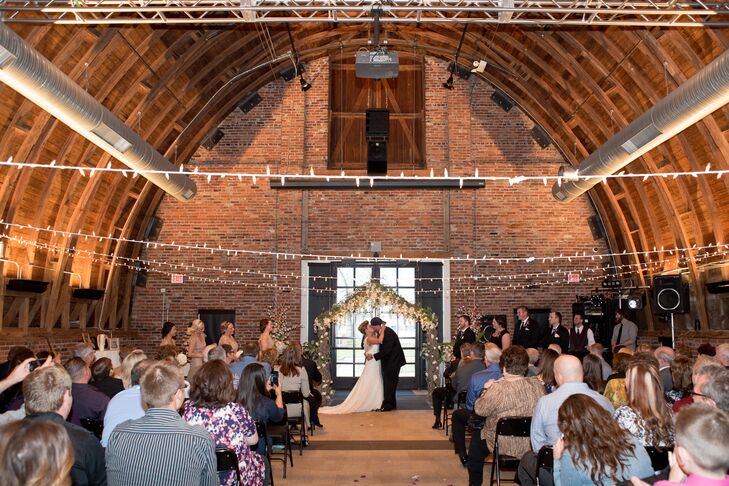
(273, 379)
(34, 364)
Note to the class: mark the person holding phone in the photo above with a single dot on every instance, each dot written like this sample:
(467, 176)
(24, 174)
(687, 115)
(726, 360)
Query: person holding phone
(253, 393)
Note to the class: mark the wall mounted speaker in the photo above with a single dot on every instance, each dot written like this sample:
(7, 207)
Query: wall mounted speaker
(376, 157)
(88, 294)
(25, 285)
(153, 229)
(459, 70)
(139, 279)
(541, 136)
(670, 294)
(377, 124)
(596, 227)
(502, 100)
(251, 101)
(213, 138)
(290, 73)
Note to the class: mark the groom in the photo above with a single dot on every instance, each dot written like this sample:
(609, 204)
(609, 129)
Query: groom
(392, 359)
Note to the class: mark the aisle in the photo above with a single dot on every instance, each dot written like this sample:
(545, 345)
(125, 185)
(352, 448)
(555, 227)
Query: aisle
(369, 449)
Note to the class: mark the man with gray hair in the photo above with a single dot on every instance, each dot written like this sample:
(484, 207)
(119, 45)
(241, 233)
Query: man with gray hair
(711, 386)
(722, 354)
(218, 352)
(85, 352)
(665, 357)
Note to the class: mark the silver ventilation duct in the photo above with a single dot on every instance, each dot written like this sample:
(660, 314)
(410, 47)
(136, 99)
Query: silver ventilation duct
(704, 93)
(29, 73)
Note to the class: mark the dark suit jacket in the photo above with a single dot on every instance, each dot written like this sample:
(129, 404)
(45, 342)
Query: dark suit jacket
(390, 355)
(462, 376)
(467, 336)
(528, 334)
(561, 337)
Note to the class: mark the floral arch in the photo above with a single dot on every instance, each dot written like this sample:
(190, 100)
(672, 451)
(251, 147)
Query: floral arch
(377, 295)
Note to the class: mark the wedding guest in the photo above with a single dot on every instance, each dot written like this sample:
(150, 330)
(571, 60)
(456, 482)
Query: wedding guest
(615, 390)
(625, 332)
(514, 395)
(293, 377)
(472, 362)
(706, 349)
(526, 331)
(85, 352)
(713, 388)
(665, 357)
(126, 405)
(161, 444)
(212, 406)
(249, 356)
(166, 353)
(11, 397)
(581, 337)
(593, 373)
(703, 369)
(557, 333)
(682, 386)
(593, 449)
(35, 453)
(315, 399)
(555, 347)
(646, 416)
(216, 352)
(546, 370)
(500, 336)
(230, 355)
(169, 333)
(195, 346)
(128, 364)
(722, 354)
(265, 341)
(206, 353)
(464, 334)
(88, 402)
(47, 393)
(597, 349)
(269, 357)
(102, 379)
(253, 390)
(700, 457)
(544, 429)
(534, 356)
(7, 366)
(227, 331)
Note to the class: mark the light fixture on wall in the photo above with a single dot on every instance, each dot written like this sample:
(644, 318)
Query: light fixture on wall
(305, 85)
(449, 83)
(298, 67)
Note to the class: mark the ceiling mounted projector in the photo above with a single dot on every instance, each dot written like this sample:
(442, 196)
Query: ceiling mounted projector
(379, 64)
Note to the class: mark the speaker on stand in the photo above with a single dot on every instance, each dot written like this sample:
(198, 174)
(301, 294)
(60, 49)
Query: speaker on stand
(670, 296)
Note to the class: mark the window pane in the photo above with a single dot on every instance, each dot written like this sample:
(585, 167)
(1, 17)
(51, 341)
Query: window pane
(409, 355)
(406, 277)
(407, 294)
(347, 371)
(345, 343)
(359, 356)
(363, 275)
(345, 356)
(345, 277)
(388, 277)
(343, 294)
(358, 370)
(407, 343)
(407, 371)
(343, 329)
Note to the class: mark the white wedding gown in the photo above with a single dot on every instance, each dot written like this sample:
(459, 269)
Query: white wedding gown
(367, 393)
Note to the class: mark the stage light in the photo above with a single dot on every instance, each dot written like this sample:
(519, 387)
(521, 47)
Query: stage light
(305, 85)
(449, 83)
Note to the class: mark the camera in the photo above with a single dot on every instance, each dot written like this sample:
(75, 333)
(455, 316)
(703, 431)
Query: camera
(273, 379)
(34, 364)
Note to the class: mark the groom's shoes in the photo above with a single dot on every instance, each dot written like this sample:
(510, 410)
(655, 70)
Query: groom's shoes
(437, 424)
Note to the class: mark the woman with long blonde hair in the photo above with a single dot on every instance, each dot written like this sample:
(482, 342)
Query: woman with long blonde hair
(646, 416)
(128, 363)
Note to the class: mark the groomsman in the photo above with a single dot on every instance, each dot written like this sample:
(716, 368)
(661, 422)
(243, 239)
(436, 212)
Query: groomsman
(464, 334)
(526, 331)
(557, 334)
(581, 337)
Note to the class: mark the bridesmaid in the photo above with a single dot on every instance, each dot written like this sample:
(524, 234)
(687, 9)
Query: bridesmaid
(196, 346)
(265, 341)
(169, 333)
(500, 336)
(227, 331)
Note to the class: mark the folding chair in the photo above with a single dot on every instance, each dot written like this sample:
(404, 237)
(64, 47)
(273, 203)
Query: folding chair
(545, 460)
(227, 461)
(262, 432)
(460, 401)
(508, 427)
(659, 457)
(93, 425)
(297, 398)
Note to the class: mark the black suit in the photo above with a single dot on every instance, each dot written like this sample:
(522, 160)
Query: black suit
(465, 336)
(526, 333)
(392, 358)
(559, 335)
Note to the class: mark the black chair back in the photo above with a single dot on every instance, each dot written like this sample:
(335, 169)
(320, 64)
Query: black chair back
(659, 457)
(461, 399)
(262, 431)
(292, 397)
(93, 425)
(513, 427)
(227, 461)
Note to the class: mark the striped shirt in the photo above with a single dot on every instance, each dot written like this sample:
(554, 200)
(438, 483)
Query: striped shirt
(160, 449)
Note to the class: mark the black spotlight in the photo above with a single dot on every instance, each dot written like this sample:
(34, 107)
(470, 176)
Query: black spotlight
(305, 85)
(449, 83)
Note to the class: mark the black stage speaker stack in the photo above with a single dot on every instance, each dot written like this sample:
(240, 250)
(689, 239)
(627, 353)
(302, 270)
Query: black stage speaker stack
(670, 294)
(377, 131)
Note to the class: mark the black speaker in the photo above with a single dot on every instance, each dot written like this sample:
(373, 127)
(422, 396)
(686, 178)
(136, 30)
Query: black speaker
(291, 72)
(377, 124)
(213, 138)
(541, 136)
(376, 157)
(596, 227)
(153, 229)
(88, 294)
(26, 285)
(251, 101)
(670, 294)
(140, 277)
(502, 100)
(459, 70)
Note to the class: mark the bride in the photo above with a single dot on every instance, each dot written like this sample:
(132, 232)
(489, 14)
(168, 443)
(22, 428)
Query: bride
(367, 393)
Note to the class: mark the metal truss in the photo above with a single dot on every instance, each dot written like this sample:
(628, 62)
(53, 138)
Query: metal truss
(645, 13)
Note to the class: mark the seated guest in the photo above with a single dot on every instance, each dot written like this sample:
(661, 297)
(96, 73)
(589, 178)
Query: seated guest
(594, 449)
(712, 387)
(514, 395)
(88, 402)
(546, 370)
(250, 353)
(15, 377)
(128, 364)
(230, 355)
(126, 405)
(722, 355)
(500, 336)
(215, 352)
(471, 362)
(268, 357)
(593, 373)
(166, 353)
(7, 366)
(702, 441)
(85, 352)
(211, 405)
(461, 416)
(169, 333)
(597, 349)
(545, 430)
(253, 390)
(103, 381)
(557, 333)
(534, 356)
(315, 399)
(11, 397)
(555, 347)
(35, 453)
(293, 377)
(47, 393)
(665, 357)
(646, 416)
(161, 448)
(682, 386)
(615, 390)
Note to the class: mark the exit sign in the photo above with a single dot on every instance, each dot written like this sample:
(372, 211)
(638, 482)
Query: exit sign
(573, 278)
(177, 278)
